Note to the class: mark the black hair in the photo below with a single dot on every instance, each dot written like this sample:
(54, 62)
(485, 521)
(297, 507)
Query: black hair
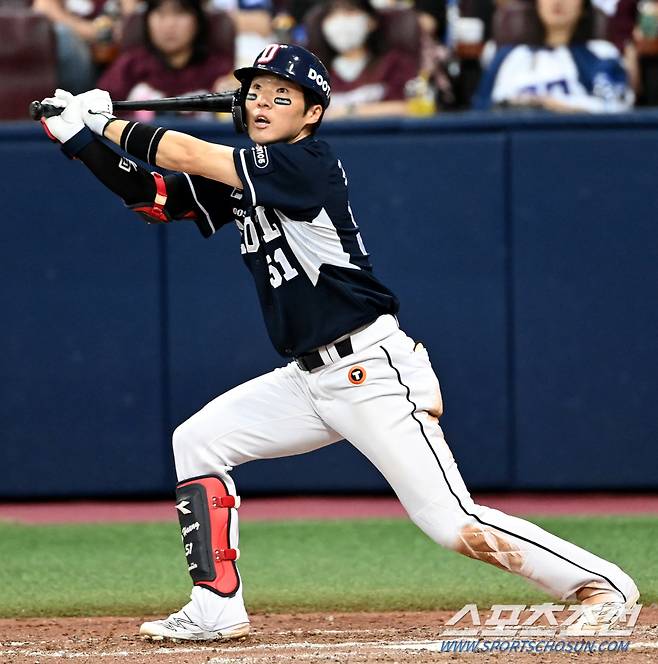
(201, 41)
(584, 30)
(582, 33)
(313, 99)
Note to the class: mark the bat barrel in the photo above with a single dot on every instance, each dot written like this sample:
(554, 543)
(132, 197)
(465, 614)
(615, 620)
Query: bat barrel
(220, 102)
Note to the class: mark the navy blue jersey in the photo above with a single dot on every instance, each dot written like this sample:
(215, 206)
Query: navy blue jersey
(300, 242)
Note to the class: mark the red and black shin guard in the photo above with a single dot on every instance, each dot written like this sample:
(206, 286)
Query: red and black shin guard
(204, 511)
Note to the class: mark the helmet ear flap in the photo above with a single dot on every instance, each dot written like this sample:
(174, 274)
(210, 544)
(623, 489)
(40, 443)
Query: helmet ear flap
(238, 110)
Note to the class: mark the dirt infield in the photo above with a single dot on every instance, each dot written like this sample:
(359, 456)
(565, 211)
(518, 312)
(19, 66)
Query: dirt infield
(281, 639)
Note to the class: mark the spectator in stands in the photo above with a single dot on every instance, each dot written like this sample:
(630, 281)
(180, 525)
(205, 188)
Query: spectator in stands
(175, 59)
(366, 78)
(622, 16)
(83, 29)
(253, 27)
(564, 71)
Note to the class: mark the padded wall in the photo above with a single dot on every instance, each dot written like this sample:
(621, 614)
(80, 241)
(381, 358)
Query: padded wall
(524, 251)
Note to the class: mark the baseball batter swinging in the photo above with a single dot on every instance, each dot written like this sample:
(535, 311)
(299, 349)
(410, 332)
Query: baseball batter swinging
(353, 373)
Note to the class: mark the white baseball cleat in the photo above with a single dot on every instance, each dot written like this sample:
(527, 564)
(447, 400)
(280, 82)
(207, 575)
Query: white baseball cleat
(179, 626)
(603, 615)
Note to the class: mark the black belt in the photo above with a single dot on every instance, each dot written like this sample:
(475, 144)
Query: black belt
(314, 360)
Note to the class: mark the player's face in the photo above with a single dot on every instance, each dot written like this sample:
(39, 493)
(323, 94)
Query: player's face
(559, 14)
(275, 111)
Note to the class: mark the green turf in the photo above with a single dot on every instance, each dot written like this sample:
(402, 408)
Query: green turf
(378, 564)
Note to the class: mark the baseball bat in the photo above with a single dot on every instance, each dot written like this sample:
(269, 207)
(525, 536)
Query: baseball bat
(218, 102)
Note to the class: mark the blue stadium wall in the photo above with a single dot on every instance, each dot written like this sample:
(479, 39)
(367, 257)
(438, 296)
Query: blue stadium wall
(524, 250)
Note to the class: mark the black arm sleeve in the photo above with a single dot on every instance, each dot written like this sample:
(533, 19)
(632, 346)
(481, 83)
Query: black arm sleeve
(134, 184)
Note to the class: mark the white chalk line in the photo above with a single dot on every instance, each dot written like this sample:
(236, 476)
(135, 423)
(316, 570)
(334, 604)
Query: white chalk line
(643, 644)
(381, 630)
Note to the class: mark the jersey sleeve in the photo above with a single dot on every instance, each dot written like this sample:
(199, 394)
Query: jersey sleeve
(212, 201)
(287, 176)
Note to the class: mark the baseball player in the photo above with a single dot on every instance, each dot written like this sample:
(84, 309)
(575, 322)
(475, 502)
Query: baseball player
(353, 373)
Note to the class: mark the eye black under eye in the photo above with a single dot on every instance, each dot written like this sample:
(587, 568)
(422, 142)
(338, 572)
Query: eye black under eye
(251, 96)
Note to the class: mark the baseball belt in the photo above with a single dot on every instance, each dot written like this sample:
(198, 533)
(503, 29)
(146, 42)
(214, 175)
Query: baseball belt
(356, 341)
(313, 360)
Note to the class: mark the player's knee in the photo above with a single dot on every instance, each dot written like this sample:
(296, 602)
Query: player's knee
(181, 439)
(199, 450)
(443, 523)
(190, 455)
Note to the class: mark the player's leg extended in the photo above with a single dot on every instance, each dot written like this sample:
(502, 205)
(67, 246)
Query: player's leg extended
(392, 417)
(267, 417)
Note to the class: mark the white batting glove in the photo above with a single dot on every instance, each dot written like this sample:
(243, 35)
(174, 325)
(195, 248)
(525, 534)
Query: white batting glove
(96, 110)
(66, 125)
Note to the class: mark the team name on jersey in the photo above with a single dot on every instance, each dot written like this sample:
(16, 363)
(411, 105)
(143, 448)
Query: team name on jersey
(254, 228)
(319, 80)
(261, 158)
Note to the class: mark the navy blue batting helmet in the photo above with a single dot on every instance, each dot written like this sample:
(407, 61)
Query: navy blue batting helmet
(293, 63)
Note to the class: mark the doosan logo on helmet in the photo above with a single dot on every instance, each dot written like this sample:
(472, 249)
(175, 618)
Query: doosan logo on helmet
(319, 79)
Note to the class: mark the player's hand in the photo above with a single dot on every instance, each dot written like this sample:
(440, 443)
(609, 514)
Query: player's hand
(96, 110)
(66, 125)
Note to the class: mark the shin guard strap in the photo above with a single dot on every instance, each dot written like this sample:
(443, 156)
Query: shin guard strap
(204, 511)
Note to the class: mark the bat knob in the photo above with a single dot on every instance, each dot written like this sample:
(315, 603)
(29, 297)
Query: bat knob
(35, 110)
(38, 110)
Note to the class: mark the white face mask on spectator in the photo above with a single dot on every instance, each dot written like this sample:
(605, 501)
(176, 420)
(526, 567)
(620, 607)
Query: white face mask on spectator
(345, 32)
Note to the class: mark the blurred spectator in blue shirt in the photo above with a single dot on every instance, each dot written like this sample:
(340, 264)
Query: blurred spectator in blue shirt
(563, 70)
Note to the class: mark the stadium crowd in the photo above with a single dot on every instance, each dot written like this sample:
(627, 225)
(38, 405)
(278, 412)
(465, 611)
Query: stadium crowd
(386, 57)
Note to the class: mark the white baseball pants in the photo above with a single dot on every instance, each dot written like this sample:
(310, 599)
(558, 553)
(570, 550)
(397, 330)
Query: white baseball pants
(391, 416)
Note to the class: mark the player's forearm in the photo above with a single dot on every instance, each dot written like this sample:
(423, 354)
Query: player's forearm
(122, 177)
(180, 152)
(132, 183)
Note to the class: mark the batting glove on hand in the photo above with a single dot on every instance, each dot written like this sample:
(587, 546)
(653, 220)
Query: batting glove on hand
(96, 110)
(66, 125)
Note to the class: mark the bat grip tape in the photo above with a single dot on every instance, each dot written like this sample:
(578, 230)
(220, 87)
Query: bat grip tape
(141, 140)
